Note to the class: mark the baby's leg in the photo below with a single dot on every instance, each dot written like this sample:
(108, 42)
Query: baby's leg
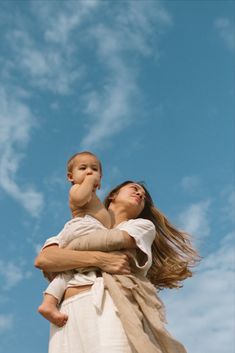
(49, 309)
(52, 297)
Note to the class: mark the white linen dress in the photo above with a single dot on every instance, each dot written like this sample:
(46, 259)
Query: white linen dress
(94, 325)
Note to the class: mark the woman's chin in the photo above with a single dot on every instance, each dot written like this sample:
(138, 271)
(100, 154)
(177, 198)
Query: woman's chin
(134, 209)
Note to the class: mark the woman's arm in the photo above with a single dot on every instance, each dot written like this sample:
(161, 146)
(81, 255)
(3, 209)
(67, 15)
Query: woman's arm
(55, 259)
(129, 241)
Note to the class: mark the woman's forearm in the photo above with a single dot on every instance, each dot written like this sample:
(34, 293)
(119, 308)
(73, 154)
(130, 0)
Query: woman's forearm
(55, 259)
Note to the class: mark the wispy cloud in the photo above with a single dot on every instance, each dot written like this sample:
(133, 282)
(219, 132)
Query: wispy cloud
(63, 20)
(45, 61)
(226, 31)
(195, 220)
(50, 61)
(6, 322)
(44, 66)
(231, 206)
(190, 183)
(205, 305)
(12, 274)
(103, 192)
(134, 25)
(37, 247)
(16, 122)
(110, 108)
(228, 210)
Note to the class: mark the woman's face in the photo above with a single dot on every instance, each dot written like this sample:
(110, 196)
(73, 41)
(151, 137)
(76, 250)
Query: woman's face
(133, 197)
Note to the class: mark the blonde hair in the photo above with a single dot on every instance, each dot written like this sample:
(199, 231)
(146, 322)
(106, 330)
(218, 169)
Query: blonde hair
(173, 255)
(71, 161)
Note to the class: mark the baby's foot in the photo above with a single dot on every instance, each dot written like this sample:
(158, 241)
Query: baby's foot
(51, 313)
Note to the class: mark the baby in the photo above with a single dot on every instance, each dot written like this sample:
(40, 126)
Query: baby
(84, 171)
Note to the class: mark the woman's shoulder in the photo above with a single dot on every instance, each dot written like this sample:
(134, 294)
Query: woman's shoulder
(143, 230)
(141, 222)
(139, 226)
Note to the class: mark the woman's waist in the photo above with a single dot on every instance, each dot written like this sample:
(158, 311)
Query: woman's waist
(71, 291)
(81, 282)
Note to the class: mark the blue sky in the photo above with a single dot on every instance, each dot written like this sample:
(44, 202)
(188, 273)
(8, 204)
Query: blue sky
(149, 87)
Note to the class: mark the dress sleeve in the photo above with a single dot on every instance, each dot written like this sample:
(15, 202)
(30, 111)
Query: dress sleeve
(51, 241)
(143, 231)
(56, 239)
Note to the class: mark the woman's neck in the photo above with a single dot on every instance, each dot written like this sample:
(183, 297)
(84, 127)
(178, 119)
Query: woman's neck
(118, 215)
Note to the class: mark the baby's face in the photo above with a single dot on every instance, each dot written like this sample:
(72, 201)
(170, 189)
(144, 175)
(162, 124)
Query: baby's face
(85, 165)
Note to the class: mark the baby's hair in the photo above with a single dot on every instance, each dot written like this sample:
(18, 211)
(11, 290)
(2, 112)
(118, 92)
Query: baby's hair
(71, 161)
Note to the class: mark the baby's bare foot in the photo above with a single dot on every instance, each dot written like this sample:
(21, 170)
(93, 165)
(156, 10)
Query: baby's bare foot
(51, 313)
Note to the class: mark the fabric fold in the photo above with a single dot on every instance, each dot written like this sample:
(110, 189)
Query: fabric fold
(142, 314)
(97, 291)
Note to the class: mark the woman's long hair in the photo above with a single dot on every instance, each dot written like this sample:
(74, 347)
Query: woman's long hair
(173, 255)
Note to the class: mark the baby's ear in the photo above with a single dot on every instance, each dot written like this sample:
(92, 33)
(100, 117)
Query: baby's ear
(69, 176)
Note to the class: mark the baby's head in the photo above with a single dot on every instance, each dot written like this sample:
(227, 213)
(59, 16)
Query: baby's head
(82, 164)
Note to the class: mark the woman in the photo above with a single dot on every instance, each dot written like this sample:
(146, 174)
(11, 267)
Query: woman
(172, 255)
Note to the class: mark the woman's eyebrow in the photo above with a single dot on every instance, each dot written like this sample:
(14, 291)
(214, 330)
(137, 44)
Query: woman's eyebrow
(139, 187)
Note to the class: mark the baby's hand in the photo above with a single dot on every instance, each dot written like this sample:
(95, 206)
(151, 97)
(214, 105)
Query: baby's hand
(95, 179)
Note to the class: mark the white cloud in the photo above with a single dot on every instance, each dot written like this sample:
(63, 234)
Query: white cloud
(111, 108)
(202, 313)
(6, 322)
(132, 30)
(190, 183)
(226, 31)
(64, 19)
(46, 67)
(228, 204)
(138, 24)
(231, 206)
(103, 192)
(12, 274)
(16, 122)
(37, 247)
(194, 219)
(52, 63)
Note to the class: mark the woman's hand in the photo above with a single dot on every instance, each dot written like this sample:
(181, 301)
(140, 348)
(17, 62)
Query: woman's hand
(115, 262)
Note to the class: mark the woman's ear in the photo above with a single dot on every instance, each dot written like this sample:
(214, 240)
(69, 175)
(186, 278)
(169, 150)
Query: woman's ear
(113, 196)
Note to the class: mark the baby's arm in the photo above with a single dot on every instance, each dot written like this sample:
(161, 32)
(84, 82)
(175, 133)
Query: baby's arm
(103, 240)
(80, 194)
